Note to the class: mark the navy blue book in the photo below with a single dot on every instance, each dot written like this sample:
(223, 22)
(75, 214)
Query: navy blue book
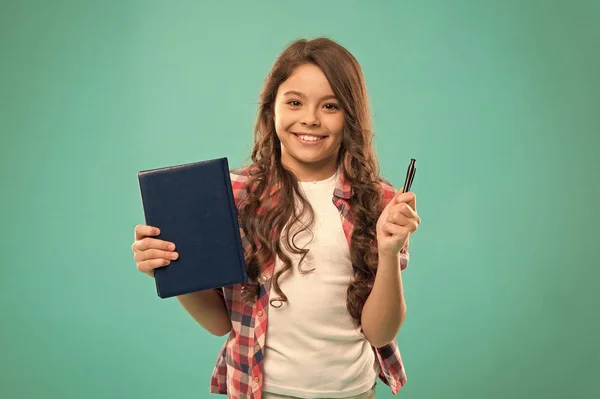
(193, 206)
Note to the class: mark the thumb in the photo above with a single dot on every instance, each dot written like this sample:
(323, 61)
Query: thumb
(394, 200)
(397, 194)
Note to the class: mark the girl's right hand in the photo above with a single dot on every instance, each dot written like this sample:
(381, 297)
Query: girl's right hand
(151, 253)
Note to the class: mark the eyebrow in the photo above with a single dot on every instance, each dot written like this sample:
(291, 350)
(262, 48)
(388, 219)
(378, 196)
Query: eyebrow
(297, 93)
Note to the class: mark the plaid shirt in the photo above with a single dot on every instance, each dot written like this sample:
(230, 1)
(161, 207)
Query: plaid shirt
(238, 370)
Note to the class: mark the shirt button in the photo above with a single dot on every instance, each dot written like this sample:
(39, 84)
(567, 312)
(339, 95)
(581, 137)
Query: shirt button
(257, 347)
(256, 379)
(259, 313)
(264, 279)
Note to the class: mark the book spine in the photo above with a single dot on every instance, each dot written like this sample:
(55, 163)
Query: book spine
(234, 218)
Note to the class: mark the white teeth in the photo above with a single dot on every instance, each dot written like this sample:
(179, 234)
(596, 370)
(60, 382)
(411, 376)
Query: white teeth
(310, 138)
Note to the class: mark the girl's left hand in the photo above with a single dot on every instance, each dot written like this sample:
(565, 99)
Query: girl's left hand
(397, 222)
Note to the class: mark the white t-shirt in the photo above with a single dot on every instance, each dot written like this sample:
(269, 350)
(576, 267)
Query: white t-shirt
(312, 347)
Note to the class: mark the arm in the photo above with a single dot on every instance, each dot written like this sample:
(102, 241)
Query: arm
(208, 309)
(385, 309)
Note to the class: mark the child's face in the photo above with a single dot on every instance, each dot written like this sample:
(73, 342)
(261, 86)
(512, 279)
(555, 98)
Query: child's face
(309, 122)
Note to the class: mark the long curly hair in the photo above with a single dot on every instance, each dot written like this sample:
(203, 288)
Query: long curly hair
(264, 218)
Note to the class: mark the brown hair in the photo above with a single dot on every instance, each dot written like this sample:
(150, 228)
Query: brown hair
(356, 158)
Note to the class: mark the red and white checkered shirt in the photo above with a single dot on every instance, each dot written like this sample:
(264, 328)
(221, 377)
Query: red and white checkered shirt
(238, 370)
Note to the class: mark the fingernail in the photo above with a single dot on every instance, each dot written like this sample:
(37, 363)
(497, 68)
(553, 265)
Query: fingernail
(174, 255)
(171, 247)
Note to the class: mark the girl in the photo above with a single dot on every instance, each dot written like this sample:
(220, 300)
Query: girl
(325, 240)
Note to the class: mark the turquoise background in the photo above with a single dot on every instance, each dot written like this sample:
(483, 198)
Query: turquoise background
(499, 102)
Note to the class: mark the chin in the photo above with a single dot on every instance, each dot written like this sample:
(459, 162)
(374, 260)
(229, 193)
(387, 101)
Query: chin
(308, 160)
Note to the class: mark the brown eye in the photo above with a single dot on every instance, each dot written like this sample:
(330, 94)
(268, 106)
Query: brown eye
(294, 103)
(331, 106)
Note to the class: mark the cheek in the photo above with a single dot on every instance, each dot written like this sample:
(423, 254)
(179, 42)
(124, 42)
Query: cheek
(281, 119)
(336, 126)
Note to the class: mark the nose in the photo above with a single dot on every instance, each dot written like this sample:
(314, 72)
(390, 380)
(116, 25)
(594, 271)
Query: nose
(310, 118)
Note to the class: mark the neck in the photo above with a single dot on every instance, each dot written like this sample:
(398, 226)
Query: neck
(312, 172)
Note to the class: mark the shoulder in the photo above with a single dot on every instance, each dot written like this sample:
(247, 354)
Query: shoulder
(239, 179)
(239, 176)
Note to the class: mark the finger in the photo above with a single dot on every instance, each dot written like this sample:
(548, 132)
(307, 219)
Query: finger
(400, 219)
(404, 209)
(155, 254)
(149, 265)
(395, 230)
(397, 218)
(409, 198)
(153, 243)
(142, 231)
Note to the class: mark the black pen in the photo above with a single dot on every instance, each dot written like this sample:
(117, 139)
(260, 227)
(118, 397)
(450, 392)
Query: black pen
(410, 175)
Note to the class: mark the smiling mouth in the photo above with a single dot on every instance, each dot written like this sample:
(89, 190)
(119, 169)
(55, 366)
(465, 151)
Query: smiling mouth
(308, 137)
